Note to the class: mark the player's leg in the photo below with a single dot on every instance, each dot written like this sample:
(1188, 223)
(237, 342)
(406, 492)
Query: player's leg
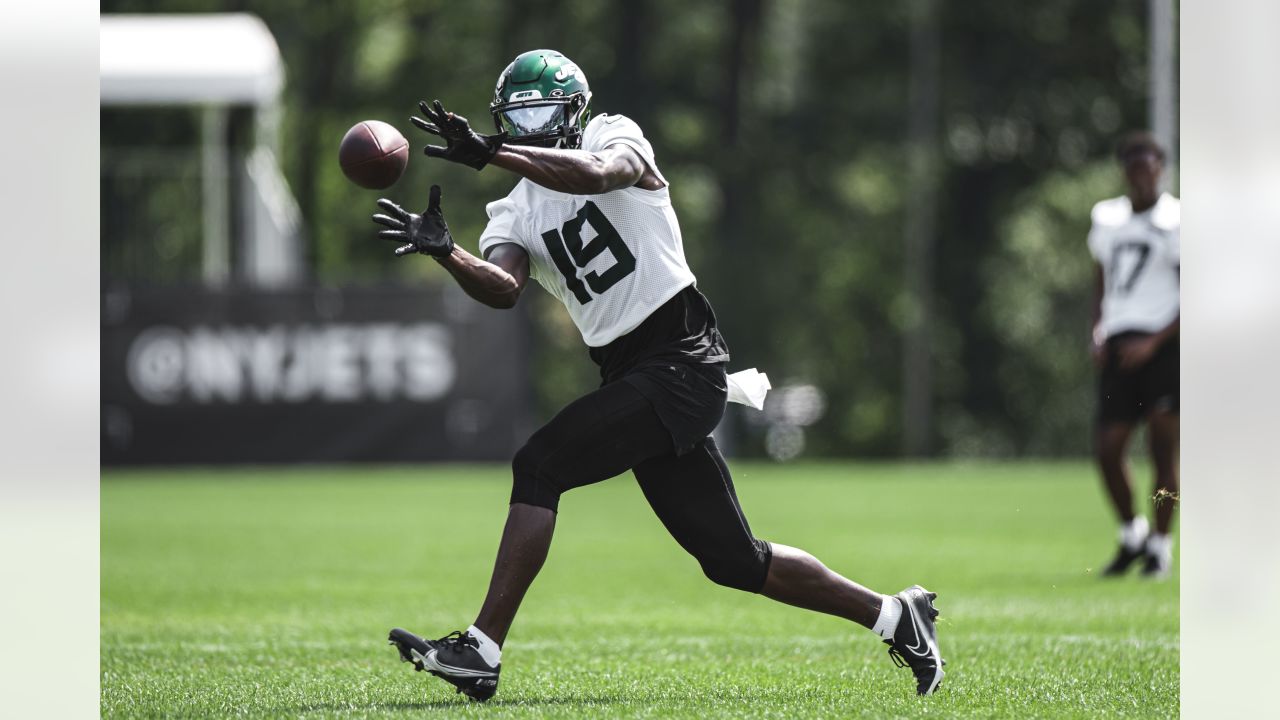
(1112, 443)
(1162, 428)
(526, 538)
(1158, 390)
(694, 497)
(1119, 410)
(800, 579)
(594, 438)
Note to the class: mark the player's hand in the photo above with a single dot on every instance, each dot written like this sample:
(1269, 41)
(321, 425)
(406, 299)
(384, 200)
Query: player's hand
(1138, 352)
(462, 144)
(426, 233)
(1098, 348)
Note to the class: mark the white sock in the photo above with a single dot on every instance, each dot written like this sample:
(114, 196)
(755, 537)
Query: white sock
(890, 614)
(489, 649)
(1160, 545)
(1134, 533)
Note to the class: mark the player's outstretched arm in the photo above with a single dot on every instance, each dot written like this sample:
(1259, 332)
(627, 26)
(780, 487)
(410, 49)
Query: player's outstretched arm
(496, 282)
(577, 172)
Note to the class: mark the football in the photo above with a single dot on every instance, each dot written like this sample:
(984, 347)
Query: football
(373, 154)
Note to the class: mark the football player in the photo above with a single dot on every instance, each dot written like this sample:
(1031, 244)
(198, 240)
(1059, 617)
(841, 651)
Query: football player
(591, 221)
(1135, 245)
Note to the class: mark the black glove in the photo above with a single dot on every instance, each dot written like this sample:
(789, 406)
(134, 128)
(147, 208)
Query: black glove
(426, 233)
(462, 144)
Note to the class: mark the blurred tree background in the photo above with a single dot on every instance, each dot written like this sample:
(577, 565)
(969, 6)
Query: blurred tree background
(812, 146)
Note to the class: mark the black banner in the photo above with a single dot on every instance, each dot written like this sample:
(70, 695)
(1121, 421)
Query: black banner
(192, 375)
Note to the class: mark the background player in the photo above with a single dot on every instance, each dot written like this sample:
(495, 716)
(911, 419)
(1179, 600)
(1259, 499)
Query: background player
(1135, 245)
(591, 220)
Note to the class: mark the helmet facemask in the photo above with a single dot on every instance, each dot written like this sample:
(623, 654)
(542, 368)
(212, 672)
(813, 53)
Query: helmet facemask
(541, 99)
(545, 122)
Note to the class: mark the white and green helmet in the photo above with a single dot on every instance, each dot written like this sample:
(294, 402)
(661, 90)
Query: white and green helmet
(542, 98)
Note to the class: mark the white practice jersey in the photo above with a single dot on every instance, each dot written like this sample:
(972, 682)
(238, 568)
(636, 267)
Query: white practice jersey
(1139, 254)
(612, 259)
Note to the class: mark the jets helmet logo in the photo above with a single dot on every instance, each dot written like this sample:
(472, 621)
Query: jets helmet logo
(566, 71)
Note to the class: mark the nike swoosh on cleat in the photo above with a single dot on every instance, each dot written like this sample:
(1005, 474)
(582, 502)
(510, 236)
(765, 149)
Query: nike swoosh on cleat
(434, 662)
(921, 645)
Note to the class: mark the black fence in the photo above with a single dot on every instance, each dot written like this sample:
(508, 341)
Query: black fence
(191, 375)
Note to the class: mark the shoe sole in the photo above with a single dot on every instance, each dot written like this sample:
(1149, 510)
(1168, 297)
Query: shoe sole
(929, 616)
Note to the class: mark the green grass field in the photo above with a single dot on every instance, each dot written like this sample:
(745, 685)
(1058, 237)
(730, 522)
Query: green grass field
(269, 592)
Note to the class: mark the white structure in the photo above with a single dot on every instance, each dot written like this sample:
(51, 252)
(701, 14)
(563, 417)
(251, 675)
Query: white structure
(1164, 85)
(214, 62)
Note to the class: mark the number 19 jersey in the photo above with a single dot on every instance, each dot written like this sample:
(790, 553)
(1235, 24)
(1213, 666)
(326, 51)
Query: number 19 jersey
(613, 258)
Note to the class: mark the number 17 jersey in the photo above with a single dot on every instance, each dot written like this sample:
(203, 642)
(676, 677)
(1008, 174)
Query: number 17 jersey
(1140, 255)
(613, 258)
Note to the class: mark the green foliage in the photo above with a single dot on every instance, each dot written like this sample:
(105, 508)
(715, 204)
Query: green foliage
(782, 127)
(259, 593)
(1038, 313)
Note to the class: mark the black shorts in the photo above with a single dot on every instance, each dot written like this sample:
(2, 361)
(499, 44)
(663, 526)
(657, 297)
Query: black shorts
(689, 398)
(1127, 396)
(676, 359)
(614, 429)
(662, 394)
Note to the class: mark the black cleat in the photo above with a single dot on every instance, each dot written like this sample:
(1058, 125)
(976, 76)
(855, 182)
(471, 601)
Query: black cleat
(915, 642)
(1121, 562)
(454, 658)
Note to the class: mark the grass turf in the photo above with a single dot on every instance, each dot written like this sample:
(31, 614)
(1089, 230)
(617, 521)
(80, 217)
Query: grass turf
(269, 592)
